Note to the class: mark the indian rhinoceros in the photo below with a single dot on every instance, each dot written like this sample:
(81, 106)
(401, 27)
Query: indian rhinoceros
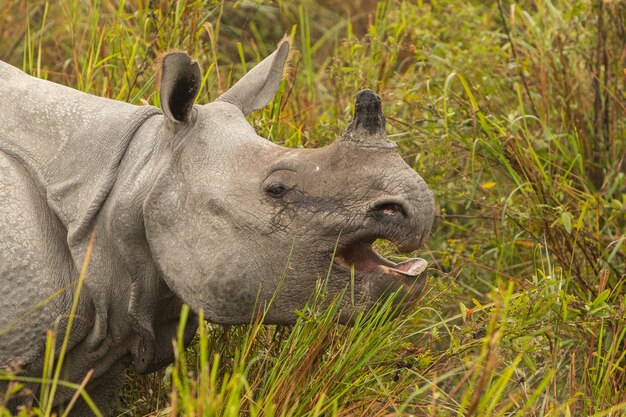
(189, 205)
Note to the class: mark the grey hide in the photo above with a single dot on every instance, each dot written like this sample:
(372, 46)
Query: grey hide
(189, 205)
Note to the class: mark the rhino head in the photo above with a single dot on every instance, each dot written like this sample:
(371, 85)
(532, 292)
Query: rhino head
(236, 223)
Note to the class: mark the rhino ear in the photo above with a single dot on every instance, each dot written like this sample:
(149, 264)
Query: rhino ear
(180, 80)
(258, 87)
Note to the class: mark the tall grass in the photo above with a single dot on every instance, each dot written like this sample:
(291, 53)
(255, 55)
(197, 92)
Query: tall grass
(514, 113)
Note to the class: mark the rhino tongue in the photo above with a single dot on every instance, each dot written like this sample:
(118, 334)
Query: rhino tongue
(412, 267)
(364, 258)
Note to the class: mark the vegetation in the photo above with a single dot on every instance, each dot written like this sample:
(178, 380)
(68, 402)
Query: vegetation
(514, 112)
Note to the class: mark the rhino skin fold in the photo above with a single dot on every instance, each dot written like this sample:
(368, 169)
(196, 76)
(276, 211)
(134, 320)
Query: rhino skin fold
(186, 202)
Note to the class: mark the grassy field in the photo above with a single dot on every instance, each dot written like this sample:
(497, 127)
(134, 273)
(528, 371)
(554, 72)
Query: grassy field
(514, 112)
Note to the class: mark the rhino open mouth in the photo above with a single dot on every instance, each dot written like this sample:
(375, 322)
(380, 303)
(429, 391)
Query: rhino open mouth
(364, 259)
(360, 255)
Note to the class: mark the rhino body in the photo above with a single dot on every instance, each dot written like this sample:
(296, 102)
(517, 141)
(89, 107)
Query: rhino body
(187, 205)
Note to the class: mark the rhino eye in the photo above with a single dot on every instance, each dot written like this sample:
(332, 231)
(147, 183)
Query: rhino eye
(276, 190)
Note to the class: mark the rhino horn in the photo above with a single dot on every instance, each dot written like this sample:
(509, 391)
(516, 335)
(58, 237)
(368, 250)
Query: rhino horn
(258, 87)
(367, 129)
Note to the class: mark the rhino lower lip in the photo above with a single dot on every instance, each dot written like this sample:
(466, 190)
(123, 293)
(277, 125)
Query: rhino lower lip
(363, 258)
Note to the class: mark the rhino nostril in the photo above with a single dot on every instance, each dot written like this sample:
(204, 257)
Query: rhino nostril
(390, 210)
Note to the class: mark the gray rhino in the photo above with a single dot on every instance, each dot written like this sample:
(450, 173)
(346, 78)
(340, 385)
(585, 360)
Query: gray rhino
(189, 205)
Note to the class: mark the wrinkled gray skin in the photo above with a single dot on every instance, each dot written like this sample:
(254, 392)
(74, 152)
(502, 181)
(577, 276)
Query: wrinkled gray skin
(188, 205)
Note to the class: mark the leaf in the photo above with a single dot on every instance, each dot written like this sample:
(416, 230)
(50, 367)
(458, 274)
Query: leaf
(566, 218)
(530, 362)
(463, 309)
(601, 298)
(488, 185)
(598, 307)
(478, 304)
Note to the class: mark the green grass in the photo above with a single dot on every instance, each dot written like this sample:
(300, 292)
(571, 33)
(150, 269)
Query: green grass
(515, 115)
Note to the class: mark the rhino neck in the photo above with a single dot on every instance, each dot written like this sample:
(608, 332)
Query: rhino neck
(148, 308)
(70, 142)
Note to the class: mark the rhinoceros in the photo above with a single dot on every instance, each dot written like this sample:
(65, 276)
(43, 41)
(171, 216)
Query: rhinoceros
(188, 205)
